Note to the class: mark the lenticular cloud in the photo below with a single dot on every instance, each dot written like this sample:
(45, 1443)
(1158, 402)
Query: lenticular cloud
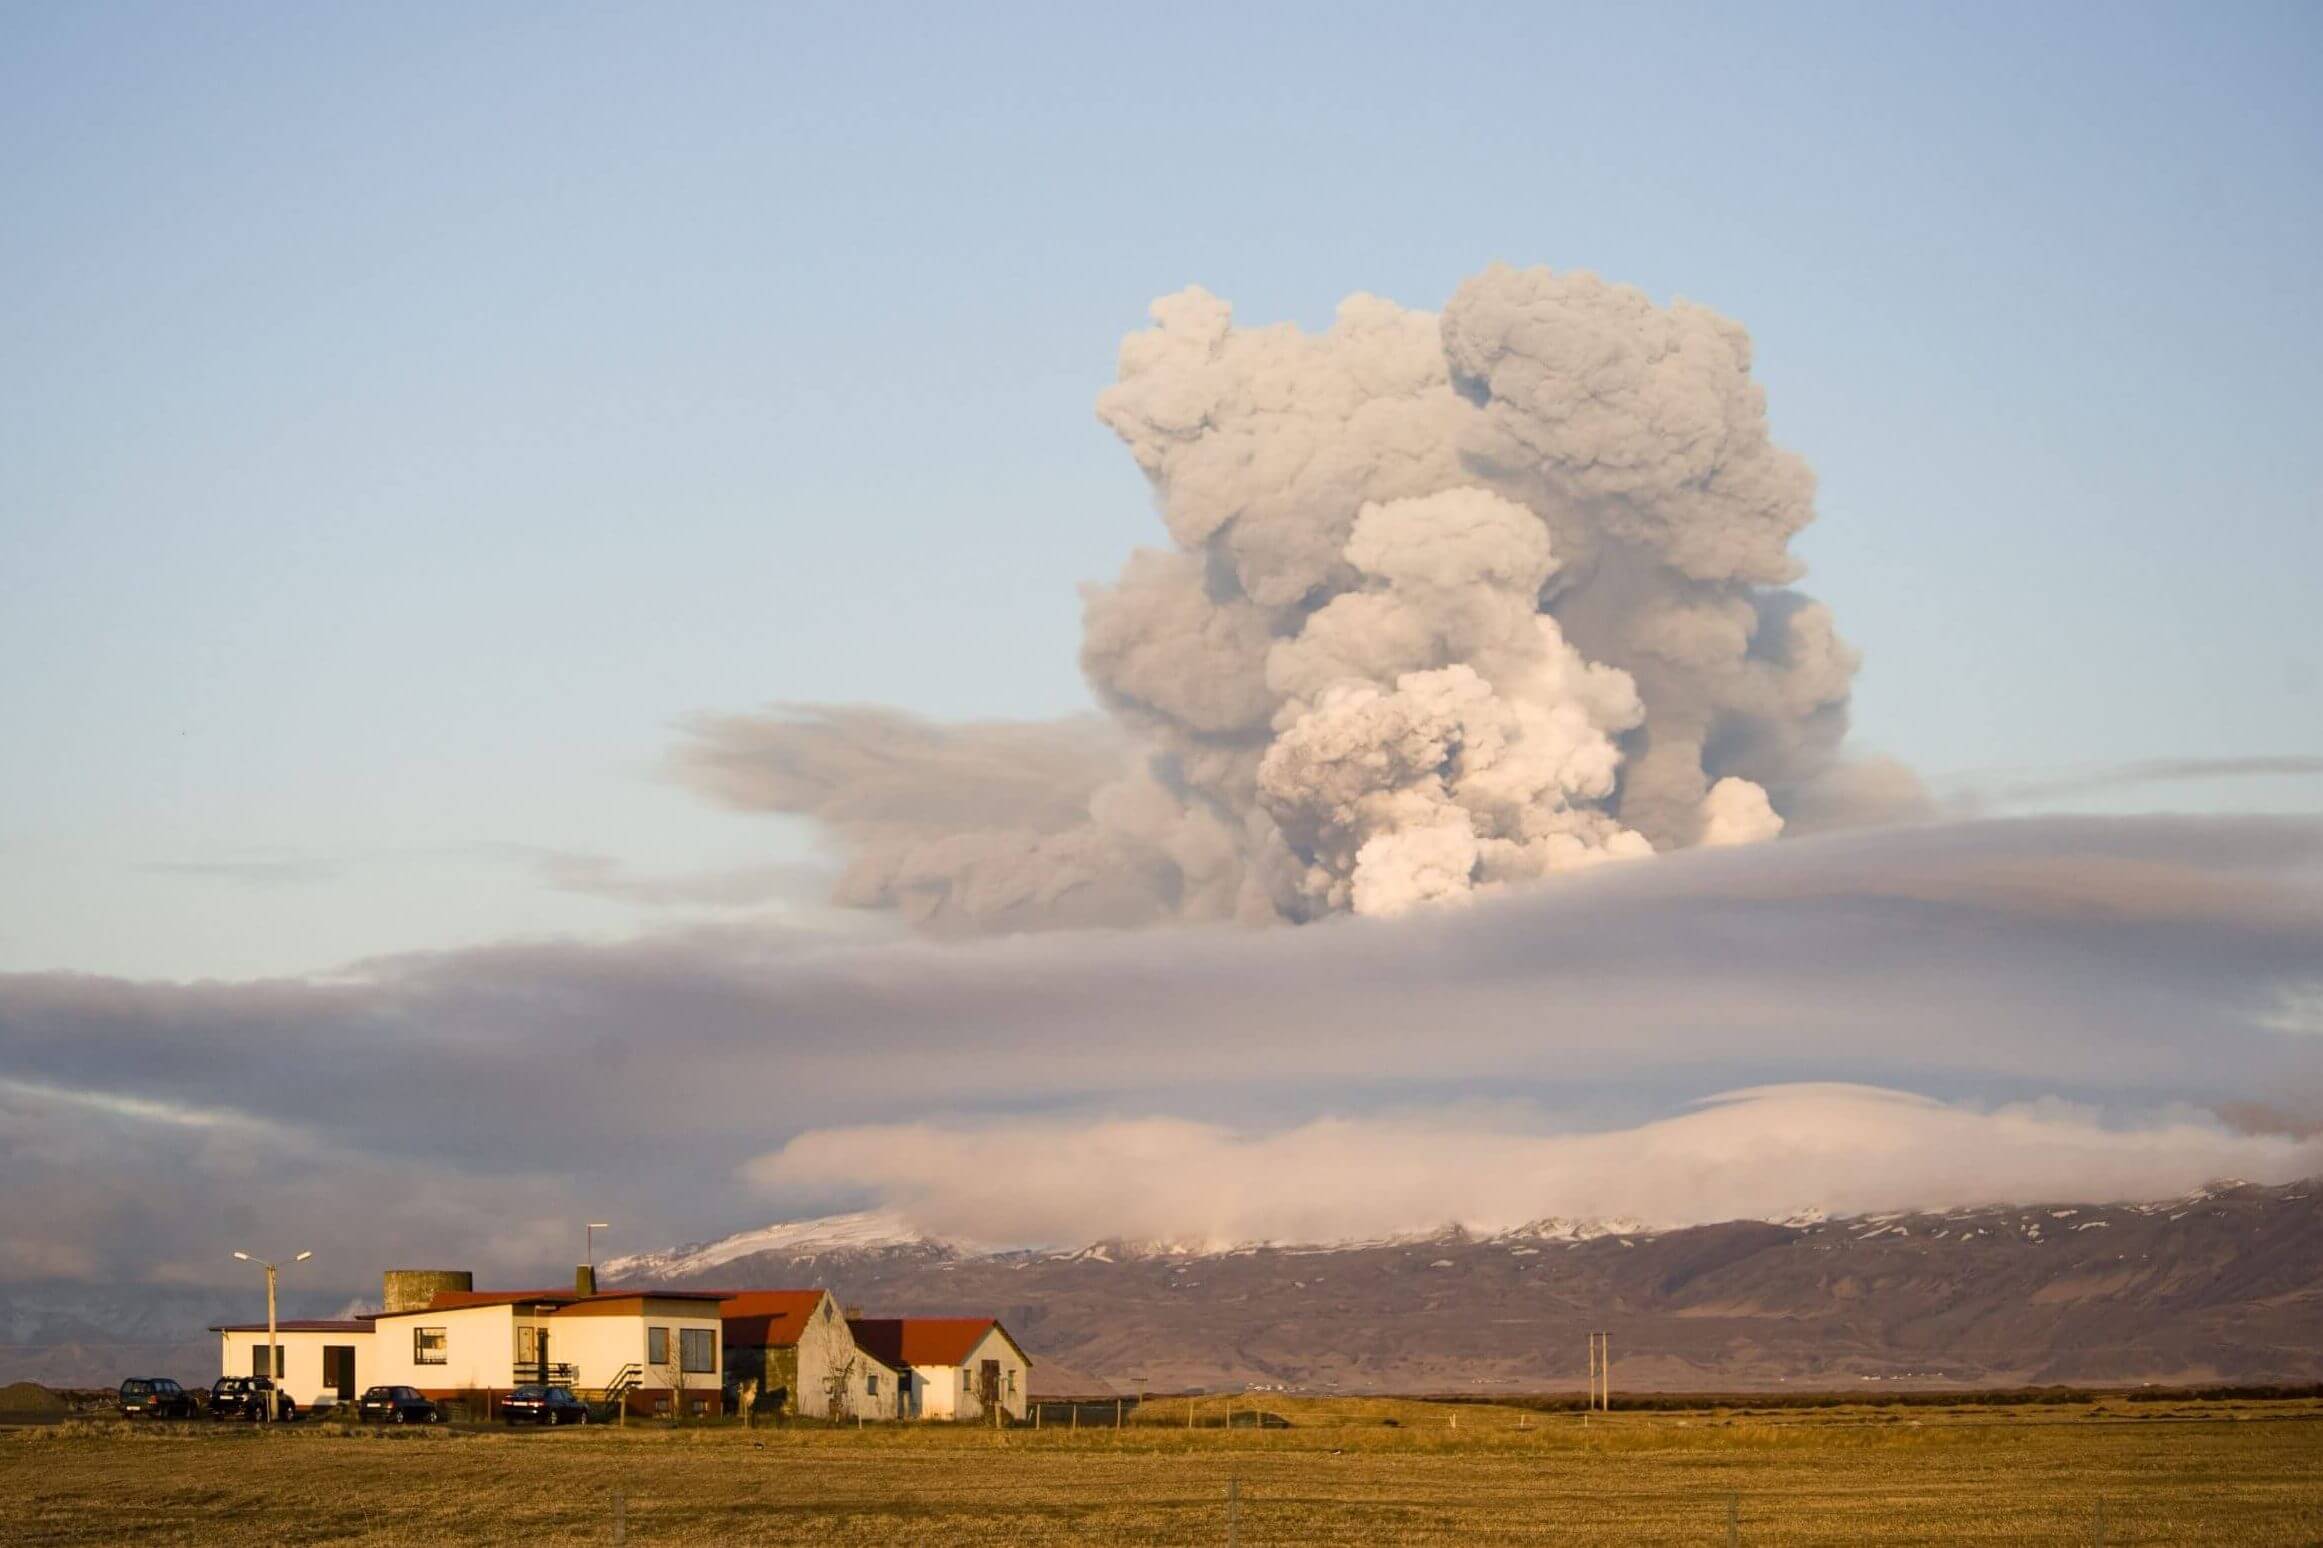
(1450, 602)
(1755, 1154)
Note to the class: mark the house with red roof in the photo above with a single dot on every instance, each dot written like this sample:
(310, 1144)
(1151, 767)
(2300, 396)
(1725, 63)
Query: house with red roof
(790, 1352)
(947, 1367)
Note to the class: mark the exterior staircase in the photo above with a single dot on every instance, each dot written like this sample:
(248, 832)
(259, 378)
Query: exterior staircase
(615, 1393)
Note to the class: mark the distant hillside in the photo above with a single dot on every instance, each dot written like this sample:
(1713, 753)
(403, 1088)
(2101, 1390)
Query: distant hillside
(2222, 1286)
(2226, 1285)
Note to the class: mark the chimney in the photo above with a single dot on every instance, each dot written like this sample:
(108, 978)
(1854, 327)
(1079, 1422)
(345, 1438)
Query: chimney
(585, 1280)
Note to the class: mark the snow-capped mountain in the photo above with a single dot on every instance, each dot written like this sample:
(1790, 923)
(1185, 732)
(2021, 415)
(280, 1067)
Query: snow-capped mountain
(864, 1232)
(2217, 1285)
(869, 1232)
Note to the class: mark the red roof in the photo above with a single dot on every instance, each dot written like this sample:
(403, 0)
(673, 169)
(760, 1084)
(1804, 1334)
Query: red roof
(453, 1300)
(298, 1325)
(900, 1341)
(767, 1319)
(458, 1300)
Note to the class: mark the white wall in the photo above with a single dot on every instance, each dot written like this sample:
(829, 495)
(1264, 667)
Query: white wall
(599, 1344)
(302, 1361)
(937, 1388)
(824, 1346)
(479, 1350)
(872, 1390)
(951, 1389)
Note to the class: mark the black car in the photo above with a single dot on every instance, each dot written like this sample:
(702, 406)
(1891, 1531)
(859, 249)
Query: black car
(396, 1405)
(155, 1397)
(543, 1405)
(244, 1397)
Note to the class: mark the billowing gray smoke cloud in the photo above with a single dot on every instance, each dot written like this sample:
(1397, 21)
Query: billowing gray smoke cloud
(1453, 601)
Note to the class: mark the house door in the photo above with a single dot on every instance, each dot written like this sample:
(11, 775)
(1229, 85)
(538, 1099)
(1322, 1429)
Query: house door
(532, 1353)
(988, 1385)
(339, 1370)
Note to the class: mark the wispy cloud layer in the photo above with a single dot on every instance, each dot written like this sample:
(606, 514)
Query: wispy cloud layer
(2126, 963)
(2016, 790)
(1757, 1154)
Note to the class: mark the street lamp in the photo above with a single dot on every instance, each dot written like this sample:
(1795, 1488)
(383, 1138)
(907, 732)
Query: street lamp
(273, 1350)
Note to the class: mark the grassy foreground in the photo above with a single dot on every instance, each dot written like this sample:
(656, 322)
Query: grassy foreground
(1340, 1473)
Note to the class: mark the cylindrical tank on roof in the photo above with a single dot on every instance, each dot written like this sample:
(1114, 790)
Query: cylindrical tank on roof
(412, 1289)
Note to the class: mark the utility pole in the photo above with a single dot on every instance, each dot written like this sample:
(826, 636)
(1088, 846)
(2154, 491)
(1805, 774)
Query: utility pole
(273, 1349)
(1600, 1373)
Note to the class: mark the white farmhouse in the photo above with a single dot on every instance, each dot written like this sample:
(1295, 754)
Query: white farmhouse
(946, 1367)
(657, 1350)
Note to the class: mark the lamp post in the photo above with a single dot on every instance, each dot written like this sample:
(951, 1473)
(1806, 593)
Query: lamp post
(273, 1350)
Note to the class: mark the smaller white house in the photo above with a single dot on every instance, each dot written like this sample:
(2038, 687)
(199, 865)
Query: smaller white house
(946, 1367)
(317, 1361)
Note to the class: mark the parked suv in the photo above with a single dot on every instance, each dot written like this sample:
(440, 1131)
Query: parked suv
(244, 1397)
(396, 1405)
(544, 1405)
(155, 1397)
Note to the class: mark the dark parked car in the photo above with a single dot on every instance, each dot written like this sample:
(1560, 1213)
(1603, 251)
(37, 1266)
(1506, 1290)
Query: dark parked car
(397, 1405)
(544, 1405)
(156, 1397)
(244, 1397)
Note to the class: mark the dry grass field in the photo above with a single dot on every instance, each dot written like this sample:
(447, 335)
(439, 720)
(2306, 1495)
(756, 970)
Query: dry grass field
(1339, 1473)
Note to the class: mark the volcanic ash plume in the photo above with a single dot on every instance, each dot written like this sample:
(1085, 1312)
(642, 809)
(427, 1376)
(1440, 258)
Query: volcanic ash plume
(1451, 602)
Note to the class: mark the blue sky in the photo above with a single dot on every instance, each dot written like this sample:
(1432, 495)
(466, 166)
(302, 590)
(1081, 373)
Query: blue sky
(406, 416)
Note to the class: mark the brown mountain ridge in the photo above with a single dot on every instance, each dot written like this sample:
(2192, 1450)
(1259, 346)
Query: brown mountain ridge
(2223, 1286)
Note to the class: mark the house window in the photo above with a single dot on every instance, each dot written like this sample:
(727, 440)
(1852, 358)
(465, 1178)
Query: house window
(871, 1383)
(258, 1360)
(427, 1346)
(697, 1349)
(657, 1346)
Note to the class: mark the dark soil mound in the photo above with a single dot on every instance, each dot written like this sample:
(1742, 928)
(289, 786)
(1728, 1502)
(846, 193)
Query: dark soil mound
(29, 1399)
